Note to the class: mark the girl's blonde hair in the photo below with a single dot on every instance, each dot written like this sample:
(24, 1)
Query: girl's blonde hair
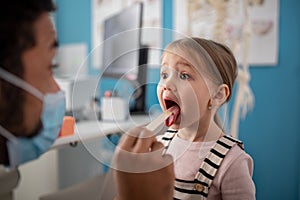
(214, 60)
(211, 58)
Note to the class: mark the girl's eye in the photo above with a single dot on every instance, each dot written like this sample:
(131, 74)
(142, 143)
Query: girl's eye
(164, 75)
(185, 76)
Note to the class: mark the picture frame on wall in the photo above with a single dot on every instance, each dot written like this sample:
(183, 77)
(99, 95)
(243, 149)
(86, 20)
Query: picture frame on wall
(199, 17)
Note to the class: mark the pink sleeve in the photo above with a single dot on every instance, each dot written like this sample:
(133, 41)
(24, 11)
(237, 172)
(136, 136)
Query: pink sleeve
(237, 180)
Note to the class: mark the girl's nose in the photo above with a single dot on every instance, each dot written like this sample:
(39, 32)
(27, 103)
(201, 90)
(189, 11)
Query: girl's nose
(170, 85)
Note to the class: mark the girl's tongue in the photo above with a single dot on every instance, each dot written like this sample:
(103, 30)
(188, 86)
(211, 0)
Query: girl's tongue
(175, 113)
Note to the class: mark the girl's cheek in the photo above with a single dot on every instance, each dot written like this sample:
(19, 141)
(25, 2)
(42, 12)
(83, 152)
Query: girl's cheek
(159, 91)
(190, 103)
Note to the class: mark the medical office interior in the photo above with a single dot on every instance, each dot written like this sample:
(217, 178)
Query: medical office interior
(264, 112)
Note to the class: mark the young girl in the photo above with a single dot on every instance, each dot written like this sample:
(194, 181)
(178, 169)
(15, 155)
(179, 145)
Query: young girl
(197, 77)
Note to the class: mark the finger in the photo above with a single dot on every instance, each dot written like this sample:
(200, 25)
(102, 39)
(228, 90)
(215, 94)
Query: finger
(129, 139)
(135, 132)
(126, 142)
(144, 142)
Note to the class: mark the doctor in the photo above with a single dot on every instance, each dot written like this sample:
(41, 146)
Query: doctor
(31, 103)
(32, 106)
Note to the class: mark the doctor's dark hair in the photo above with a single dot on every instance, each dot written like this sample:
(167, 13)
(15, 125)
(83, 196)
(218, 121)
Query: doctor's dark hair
(17, 35)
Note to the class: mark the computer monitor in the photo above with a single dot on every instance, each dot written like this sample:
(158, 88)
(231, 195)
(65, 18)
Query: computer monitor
(122, 41)
(123, 54)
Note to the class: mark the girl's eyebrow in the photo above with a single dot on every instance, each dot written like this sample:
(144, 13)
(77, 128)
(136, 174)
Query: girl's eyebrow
(178, 63)
(185, 65)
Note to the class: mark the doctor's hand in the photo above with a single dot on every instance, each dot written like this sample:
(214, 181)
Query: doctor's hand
(140, 170)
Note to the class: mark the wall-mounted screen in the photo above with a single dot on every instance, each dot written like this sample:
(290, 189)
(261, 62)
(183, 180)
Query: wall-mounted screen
(122, 42)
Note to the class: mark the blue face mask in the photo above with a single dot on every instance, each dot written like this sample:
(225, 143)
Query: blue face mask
(22, 149)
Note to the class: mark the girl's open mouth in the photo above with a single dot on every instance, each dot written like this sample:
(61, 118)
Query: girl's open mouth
(175, 109)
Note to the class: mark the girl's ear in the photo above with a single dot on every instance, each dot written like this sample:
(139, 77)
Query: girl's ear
(221, 95)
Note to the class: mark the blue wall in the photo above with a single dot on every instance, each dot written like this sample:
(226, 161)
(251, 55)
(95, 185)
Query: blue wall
(73, 21)
(270, 132)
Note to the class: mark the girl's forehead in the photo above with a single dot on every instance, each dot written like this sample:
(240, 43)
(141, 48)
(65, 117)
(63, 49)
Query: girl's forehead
(183, 53)
(177, 59)
(170, 56)
(195, 56)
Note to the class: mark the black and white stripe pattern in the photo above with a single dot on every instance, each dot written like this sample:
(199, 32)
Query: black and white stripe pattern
(168, 137)
(187, 189)
(214, 159)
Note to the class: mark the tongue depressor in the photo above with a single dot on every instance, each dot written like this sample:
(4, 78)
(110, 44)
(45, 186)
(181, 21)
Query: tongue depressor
(159, 121)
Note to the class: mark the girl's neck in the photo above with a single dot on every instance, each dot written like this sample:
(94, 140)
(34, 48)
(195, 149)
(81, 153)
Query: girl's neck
(201, 132)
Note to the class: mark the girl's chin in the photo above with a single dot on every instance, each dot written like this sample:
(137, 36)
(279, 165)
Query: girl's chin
(176, 125)
(181, 123)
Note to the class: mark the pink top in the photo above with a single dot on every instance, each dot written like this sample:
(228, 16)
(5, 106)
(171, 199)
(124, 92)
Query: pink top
(233, 180)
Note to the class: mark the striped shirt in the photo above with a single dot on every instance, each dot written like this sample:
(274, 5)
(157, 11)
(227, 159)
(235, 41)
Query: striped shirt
(210, 170)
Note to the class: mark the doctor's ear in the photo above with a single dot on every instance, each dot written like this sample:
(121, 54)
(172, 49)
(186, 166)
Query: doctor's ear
(221, 95)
